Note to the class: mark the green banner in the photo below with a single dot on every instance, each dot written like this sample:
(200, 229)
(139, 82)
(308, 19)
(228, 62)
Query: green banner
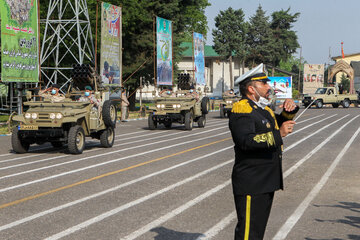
(164, 51)
(111, 49)
(19, 41)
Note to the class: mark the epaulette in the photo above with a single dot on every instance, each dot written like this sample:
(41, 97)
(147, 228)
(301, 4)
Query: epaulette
(242, 106)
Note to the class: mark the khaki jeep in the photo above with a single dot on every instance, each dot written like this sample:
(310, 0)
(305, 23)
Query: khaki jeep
(181, 107)
(66, 122)
(226, 105)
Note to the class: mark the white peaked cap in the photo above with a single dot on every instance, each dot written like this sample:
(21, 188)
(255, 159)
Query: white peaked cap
(259, 69)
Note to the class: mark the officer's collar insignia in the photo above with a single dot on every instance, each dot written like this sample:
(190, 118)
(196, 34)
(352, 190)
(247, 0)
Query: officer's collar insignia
(268, 125)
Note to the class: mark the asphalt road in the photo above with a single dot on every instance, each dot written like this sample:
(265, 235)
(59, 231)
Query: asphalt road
(175, 184)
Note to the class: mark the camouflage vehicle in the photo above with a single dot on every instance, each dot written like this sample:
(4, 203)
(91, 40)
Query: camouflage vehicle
(226, 105)
(179, 107)
(66, 122)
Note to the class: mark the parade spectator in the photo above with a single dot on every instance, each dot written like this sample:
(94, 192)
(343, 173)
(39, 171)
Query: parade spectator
(124, 104)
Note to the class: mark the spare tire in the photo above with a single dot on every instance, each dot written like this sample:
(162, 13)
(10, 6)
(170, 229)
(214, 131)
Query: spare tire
(205, 105)
(109, 113)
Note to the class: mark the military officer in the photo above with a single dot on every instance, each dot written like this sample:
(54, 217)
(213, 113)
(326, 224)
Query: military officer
(257, 133)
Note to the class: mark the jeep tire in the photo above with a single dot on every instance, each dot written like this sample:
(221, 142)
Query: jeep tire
(109, 113)
(189, 120)
(205, 105)
(346, 103)
(76, 140)
(151, 123)
(319, 104)
(222, 111)
(107, 137)
(18, 144)
(201, 121)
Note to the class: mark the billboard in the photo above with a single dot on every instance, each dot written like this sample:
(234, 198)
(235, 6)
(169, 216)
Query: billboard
(313, 77)
(19, 41)
(199, 58)
(282, 86)
(111, 45)
(164, 52)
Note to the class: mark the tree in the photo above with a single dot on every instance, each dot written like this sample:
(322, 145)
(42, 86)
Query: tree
(285, 40)
(260, 39)
(345, 81)
(137, 24)
(292, 64)
(230, 35)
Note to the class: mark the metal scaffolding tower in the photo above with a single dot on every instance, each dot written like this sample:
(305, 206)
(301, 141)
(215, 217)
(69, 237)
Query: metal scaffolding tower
(67, 40)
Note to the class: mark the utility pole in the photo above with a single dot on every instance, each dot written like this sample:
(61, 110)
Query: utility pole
(141, 87)
(329, 65)
(299, 78)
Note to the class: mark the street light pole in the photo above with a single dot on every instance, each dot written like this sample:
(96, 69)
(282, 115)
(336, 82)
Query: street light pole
(299, 78)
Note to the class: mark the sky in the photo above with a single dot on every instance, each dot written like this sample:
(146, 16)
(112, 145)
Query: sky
(322, 25)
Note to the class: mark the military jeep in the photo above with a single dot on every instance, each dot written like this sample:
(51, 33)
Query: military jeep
(182, 108)
(226, 105)
(66, 122)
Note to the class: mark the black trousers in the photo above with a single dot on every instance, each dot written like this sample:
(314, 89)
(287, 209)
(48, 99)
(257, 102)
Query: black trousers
(253, 213)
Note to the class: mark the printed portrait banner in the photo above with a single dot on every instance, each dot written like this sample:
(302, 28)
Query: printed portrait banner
(164, 52)
(199, 58)
(282, 86)
(19, 41)
(313, 77)
(111, 45)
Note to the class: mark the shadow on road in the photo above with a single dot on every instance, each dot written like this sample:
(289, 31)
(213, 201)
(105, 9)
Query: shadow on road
(166, 234)
(353, 221)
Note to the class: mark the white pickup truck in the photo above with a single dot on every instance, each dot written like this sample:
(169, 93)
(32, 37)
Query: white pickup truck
(330, 95)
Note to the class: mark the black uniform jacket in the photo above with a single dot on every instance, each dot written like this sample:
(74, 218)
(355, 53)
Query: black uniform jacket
(258, 147)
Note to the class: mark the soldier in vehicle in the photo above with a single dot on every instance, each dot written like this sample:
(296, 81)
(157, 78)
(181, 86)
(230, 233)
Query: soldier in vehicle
(167, 92)
(192, 93)
(229, 93)
(52, 93)
(89, 97)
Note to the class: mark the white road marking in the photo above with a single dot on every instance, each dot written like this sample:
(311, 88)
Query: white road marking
(225, 222)
(98, 149)
(292, 220)
(309, 119)
(212, 232)
(303, 139)
(301, 129)
(142, 199)
(41, 214)
(317, 148)
(95, 149)
(103, 163)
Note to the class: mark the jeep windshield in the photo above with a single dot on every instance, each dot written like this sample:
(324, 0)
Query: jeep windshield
(320, 91)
